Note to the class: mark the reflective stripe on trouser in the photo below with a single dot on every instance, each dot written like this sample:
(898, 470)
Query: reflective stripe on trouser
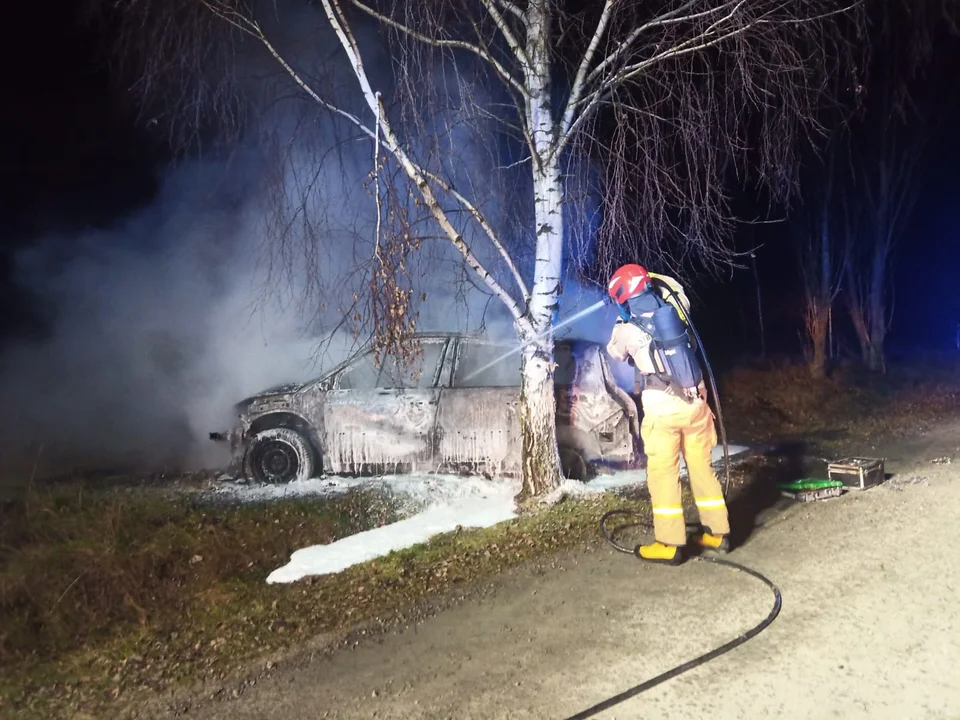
(688, 429)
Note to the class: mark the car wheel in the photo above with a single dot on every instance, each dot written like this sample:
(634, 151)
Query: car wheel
(278, 455)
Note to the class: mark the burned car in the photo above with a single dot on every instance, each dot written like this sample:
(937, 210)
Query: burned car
(453, 410)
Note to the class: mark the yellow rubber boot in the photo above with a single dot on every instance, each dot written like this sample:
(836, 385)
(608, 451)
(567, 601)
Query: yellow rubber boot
(720, 543)
(660, 553)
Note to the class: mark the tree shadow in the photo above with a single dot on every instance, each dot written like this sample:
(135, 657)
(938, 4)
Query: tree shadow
(758, 495)
(754, 495)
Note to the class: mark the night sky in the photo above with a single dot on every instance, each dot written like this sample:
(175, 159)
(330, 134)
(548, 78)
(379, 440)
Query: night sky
(74, 157)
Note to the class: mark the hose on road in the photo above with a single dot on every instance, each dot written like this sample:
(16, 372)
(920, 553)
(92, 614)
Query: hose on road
(706, 657)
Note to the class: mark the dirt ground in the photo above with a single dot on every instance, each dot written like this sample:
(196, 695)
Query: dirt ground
(870, 626)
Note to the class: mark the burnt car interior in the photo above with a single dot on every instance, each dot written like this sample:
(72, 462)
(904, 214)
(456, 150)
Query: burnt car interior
(422, 371)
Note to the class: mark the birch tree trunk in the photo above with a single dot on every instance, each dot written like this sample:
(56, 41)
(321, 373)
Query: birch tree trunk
(541, 458)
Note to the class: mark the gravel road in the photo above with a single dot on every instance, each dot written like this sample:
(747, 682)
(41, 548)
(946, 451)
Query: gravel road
(870, 626)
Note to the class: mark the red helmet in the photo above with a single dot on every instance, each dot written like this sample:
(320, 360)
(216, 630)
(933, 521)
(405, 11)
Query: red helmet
(628, 282)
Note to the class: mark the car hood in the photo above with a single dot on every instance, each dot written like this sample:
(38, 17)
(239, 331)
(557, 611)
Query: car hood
(283, 389)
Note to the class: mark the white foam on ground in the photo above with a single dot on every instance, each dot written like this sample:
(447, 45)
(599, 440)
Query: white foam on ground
(330, 485)
(446, 502)
(478, 509)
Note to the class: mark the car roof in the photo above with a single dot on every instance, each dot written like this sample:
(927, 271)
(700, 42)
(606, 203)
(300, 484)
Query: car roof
(439, 336)
(486, 339)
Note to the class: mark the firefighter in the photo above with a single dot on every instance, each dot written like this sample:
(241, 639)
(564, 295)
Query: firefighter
(674, 421)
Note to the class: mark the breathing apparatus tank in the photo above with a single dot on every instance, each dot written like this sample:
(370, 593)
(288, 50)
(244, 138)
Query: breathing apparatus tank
(672, 347)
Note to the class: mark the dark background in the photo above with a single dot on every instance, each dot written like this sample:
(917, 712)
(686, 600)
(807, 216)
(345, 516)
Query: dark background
(74, 157)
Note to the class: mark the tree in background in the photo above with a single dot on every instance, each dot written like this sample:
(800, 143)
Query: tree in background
(672, 101)
(819, 232)
(860, 192)
(887, 192)
(901, 112)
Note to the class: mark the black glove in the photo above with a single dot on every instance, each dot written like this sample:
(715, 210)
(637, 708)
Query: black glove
(630, 361)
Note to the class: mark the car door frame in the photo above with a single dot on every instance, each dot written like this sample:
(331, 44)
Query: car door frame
(454, 400)
(418, 406)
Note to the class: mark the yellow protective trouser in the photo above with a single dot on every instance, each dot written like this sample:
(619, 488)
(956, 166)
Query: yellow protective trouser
(669, 428)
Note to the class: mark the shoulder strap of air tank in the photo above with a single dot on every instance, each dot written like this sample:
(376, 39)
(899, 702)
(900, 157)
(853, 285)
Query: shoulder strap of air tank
(636, 323)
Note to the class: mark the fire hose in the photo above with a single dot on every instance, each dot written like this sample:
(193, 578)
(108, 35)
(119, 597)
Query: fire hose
(697, 661)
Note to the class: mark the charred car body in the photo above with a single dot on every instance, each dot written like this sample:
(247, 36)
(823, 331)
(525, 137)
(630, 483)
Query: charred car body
(453, 410)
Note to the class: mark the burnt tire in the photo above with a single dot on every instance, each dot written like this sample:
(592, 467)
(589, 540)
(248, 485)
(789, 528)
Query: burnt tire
(278, 455)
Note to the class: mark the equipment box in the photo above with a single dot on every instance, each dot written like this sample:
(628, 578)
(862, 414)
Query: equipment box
(857, 472)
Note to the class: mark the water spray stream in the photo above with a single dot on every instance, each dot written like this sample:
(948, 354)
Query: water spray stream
(572, 319)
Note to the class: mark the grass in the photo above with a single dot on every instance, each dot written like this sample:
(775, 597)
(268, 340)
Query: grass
(107, 594)
(90, 578)
(102, 597)
(80, 566)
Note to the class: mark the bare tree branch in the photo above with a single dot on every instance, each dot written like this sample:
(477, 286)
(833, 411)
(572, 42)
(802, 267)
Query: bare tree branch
(692, 45)
(511, 8)
(501, 22)
(671, 17)
(588, 104)
(498, 67)
(416, 174)
(391, 142)
(580, 78)
(481, 219)
(252, 28)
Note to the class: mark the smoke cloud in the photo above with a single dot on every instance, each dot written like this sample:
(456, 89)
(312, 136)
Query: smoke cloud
(161, 323)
